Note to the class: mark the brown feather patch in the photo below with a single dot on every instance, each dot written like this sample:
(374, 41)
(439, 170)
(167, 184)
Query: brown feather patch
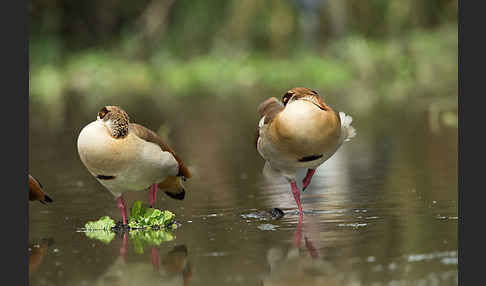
(119, 119)
(150, 136)
(270, 108)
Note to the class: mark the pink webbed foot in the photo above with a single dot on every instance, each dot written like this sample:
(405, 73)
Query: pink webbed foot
(308, 177)
(121, 205)
(153, 195)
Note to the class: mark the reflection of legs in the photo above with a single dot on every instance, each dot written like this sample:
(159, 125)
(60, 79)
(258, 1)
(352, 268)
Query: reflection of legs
(152, 194)
(298, 233)
(155, 258)
(308, 243)
(310, 246)
(308, 177)
(121, 205)
(123, 248)
(296, 193)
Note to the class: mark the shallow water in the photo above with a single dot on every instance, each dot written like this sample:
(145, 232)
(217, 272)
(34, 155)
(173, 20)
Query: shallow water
(381, 211)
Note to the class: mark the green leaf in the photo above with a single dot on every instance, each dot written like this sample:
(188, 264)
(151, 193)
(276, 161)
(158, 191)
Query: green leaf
(143, 217)
(100, 229)
(136, 210)
(104, 223)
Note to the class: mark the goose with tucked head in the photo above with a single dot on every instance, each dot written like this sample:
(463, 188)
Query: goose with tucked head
(300, 131)
(126, 156)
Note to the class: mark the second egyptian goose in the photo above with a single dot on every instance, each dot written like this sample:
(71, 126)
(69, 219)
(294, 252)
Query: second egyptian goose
(300, 131)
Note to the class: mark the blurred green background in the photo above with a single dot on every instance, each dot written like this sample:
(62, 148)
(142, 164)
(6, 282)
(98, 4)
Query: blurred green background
(374, 51)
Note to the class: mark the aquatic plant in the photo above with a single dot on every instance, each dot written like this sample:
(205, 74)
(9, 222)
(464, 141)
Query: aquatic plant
(104, 223)
(151, 218)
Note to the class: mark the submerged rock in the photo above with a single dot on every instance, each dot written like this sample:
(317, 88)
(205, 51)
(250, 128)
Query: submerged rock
(272, 214)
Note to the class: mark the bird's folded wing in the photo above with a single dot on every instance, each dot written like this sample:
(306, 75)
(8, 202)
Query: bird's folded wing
(150, 136)
(269, 109)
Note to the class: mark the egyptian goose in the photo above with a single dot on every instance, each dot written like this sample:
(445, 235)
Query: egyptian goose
(36, 192)
(126, 156)
(301, 131)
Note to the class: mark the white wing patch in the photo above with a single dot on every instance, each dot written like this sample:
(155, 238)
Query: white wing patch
(348, 130)
(262, 122)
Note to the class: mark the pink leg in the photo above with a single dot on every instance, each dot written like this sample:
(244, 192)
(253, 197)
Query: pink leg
(153, 194)
(296, 193)
(121, 205)
(308, 177)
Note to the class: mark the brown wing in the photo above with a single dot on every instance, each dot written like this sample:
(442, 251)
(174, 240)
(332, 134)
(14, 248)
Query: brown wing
(150, 136)
(269, 108)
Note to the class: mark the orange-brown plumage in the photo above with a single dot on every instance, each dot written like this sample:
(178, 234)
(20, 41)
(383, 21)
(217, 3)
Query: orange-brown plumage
(306, 127)
(36, 192)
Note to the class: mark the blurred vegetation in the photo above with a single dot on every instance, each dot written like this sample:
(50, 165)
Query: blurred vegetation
(373, 50)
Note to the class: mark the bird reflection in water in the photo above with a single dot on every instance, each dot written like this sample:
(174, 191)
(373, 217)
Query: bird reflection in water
(37, 252)
(173, 268)
(299, 266)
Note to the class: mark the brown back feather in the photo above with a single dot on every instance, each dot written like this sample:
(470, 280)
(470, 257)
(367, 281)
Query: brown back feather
(269, 108)
(150, 136)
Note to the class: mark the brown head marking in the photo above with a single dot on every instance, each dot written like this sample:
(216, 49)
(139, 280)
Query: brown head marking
(302, 93)
(116, 119)
(287, 96)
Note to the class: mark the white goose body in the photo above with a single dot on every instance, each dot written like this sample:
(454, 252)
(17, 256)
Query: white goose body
(134, 164)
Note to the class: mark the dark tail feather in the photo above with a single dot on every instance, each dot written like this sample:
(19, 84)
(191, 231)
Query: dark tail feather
(47, 199)
(173, 187)
(177, 196)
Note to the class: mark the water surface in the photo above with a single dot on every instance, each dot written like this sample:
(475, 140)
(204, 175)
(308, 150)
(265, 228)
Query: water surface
(381, 211)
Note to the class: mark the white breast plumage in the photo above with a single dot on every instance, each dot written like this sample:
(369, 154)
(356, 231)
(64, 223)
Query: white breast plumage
(134, 163)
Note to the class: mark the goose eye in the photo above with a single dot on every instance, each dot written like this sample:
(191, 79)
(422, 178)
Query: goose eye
(287, 97)
(102, 112)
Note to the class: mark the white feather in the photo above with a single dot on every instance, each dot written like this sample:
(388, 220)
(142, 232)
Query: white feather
(348, 130)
